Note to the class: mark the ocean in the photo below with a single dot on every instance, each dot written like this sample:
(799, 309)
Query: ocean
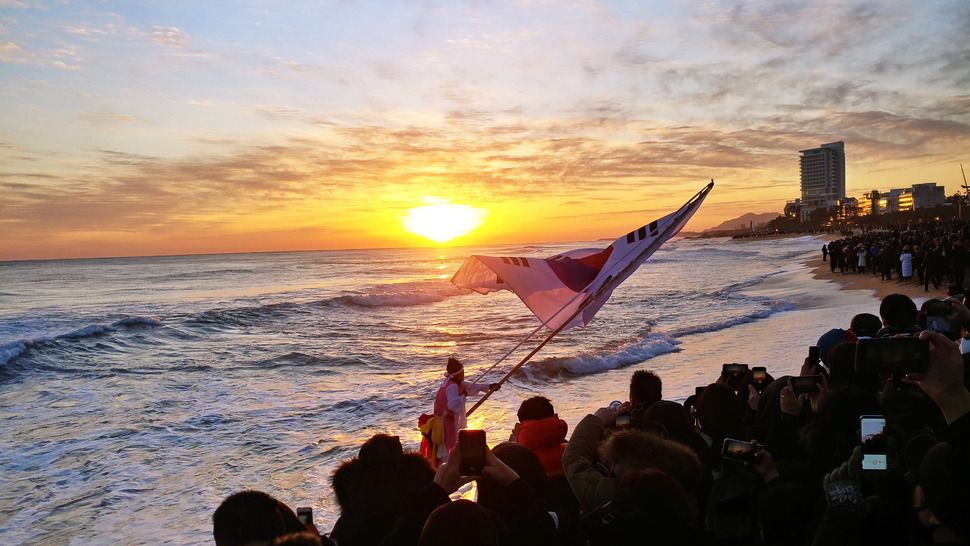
(137, 393)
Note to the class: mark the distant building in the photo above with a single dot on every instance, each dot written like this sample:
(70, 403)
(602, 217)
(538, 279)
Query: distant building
(928, 196)
(823, 175)
(869, 203)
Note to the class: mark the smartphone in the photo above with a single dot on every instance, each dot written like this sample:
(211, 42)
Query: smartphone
(734, 370)
(805, 384)
(938, 308)
(305, 513)
(897, 355)
(699, 390)
(739, 450)
(472, 445)
(873, 443)
(937, 323)
(813, 356)
(759, 375)
(623, 420)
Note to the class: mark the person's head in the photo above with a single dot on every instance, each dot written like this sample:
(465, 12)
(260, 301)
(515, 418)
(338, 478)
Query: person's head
(645, 387)
(898, 311)
(455, 369)
(651, 508)
(524, 462)
(380, 449)
(719, 412)
(460, 522)
(827, 341)
(535, 408)
(865, 325)
(955, 291)
(671, 417)
(252, 516)
(942, 493)
(631, 449)
(842, 369)
(299, 539)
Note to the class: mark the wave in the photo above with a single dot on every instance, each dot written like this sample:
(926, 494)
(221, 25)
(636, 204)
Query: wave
(634, 352)
(775, 307)
(13, 350)
(405, 295)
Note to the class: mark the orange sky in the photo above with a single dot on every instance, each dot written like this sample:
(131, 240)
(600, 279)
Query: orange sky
(140, 130)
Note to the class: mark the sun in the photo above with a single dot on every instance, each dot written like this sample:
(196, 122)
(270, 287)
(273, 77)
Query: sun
(443, 222)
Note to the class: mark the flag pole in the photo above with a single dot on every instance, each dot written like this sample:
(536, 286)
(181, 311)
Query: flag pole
(607, 283)
(582, 307)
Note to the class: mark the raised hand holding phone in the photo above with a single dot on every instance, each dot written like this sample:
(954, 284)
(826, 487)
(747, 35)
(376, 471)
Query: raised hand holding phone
(473, 448)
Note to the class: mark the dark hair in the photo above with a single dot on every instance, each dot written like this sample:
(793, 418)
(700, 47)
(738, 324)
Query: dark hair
(460, 522)
(865, 324)
(898, 311)
(537, 407)
(645, 387)
(252, 516)
(719, 411)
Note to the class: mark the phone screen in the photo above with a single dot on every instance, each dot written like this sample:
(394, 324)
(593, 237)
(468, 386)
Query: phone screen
(623, 420)
(472, 445)
(739, 450)
(805, 384)
(873, 444)
(305, 514)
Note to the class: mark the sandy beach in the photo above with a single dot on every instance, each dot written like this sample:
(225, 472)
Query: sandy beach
(868, 281)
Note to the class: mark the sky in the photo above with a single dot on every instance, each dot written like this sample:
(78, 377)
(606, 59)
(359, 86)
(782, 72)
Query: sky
(133, 128)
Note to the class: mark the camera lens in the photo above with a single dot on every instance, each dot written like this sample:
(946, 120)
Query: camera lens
(615, 404)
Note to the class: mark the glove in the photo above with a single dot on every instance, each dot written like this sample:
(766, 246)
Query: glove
(842, 489)
(494, 386)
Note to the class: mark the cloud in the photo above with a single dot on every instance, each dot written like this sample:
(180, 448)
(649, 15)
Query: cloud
(171, 36)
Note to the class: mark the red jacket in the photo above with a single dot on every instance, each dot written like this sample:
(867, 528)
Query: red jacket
(547, 438)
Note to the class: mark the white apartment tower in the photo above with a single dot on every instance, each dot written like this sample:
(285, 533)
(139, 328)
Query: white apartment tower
(823, 175)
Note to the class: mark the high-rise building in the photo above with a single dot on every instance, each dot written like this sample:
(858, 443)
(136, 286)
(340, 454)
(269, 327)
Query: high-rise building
(823, 175)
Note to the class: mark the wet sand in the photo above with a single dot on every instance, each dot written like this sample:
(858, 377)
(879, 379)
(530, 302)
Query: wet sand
(868, 281)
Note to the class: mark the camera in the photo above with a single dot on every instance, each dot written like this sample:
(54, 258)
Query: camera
(622, 420)
(305, 513)
(813, 356)
(937, 312)
(805, 384)
(739, 450)
(471, 442)
(873, 442)
(895, 355)
(759, 377)
(734, 371)
(939, 308)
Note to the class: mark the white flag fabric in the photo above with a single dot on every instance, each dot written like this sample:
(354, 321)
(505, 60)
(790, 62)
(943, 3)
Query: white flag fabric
(568, 289)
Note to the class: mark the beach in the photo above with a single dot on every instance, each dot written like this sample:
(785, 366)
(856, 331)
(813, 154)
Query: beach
(867, 281)
(137, 393)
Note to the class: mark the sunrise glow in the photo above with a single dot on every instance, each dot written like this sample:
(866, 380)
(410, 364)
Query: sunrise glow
(442, 223)
(150, 128)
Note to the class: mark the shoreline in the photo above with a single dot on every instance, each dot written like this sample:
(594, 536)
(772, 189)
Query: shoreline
(858, 281)
(867, 281)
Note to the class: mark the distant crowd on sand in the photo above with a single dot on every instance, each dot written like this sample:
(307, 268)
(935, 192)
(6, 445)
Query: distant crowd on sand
(928, 253)
(868, 444)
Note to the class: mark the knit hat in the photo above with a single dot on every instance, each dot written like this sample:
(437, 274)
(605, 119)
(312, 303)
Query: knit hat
(454, 365)
(829, 340)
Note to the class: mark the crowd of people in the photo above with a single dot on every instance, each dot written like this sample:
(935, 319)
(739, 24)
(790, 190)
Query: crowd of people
(653, 471)
(928, 253)
(748, 459)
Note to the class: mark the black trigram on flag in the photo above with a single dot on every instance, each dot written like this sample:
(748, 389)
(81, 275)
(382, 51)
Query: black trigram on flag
(516, 261)
(641, 233)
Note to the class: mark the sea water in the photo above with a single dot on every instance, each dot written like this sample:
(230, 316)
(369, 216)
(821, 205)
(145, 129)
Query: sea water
(137, 393)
